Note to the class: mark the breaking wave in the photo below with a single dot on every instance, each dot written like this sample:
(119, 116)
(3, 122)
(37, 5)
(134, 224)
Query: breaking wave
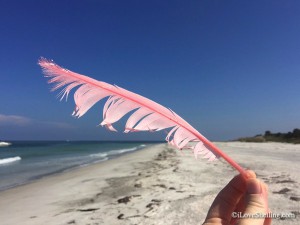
(9, 160)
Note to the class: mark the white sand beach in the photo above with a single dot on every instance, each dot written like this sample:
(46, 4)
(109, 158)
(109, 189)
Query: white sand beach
(157, 185)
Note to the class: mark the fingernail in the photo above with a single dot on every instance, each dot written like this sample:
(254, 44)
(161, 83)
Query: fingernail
(250, 174)
(253, 187)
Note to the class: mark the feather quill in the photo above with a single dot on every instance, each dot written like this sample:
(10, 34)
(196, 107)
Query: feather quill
(148, 115)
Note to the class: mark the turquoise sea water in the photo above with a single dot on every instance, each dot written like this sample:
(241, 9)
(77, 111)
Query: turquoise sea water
(24, 161)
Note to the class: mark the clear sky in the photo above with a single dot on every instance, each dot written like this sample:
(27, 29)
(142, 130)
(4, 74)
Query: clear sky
(230, 68)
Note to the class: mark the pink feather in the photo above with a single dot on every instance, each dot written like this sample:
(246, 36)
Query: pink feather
(148, 115)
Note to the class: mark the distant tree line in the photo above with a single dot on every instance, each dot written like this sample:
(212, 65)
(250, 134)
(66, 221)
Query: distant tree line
(290, 137)
(294, 134)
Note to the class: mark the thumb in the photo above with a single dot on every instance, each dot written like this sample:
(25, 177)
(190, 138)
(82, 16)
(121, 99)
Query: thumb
(256, 203)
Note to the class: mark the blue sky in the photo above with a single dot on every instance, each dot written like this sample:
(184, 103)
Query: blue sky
(230, 68)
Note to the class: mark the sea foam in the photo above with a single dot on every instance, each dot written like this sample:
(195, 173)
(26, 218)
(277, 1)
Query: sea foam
(9, 160)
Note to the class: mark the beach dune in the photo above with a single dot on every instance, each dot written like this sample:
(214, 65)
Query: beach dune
(156, 185)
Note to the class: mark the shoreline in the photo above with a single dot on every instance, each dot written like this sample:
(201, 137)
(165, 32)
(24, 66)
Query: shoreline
(26, 170)
(155, 185)
(71, 169)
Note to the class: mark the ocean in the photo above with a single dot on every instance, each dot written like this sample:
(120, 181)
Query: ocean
(25, 161)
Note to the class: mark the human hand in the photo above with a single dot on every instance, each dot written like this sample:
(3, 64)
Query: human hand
(241, 196)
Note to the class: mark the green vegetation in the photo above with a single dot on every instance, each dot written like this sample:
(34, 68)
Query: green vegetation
(290, 137)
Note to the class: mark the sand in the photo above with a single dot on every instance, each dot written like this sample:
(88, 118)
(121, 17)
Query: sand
(157, 185)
